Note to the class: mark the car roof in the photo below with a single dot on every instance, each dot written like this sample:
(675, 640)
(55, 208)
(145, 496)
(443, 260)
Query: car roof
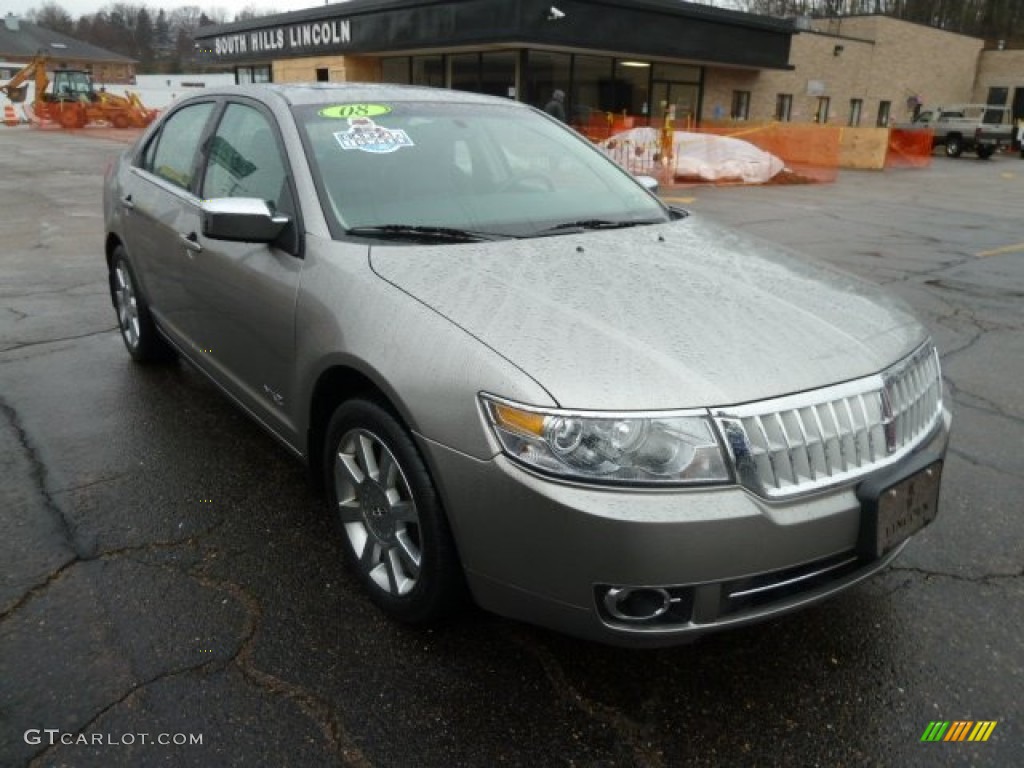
(299, 94)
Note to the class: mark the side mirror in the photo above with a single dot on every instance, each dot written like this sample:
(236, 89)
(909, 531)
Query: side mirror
(649, 183)
(242, 219)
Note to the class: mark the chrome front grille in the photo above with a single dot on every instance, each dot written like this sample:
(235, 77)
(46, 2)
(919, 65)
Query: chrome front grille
(806, 442)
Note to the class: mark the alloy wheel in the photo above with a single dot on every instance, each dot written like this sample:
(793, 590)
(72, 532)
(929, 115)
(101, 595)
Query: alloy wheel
(127, 306)
(377, 512)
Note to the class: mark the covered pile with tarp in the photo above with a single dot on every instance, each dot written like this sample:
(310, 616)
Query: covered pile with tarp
(689, 156)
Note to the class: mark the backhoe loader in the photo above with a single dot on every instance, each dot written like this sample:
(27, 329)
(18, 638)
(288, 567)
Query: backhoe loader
(71, 100)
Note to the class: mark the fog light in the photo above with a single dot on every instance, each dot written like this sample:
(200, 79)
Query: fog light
(637, 604)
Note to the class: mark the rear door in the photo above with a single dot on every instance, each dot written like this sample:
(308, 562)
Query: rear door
(243, 295)
(158, 196)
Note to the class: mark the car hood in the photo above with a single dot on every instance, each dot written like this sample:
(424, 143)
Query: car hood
(685, 314)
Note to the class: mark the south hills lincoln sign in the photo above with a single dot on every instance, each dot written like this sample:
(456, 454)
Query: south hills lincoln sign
(312, 36)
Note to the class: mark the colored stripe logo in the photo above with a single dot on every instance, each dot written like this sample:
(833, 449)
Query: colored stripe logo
(959, 730)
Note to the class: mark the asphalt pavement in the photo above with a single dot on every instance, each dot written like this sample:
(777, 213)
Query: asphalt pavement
(171, 592)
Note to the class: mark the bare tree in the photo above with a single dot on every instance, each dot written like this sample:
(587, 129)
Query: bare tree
(52, 16)
(252, 12)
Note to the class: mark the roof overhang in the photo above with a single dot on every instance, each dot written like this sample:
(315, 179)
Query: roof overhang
(664, 29)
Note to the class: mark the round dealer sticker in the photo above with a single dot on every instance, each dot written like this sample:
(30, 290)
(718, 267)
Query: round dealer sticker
(345, 111)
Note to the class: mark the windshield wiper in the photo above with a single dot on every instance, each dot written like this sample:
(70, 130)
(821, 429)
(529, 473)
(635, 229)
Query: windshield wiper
(418, 232)
(584, 224)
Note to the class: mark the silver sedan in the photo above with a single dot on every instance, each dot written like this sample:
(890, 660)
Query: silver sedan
(520, 376)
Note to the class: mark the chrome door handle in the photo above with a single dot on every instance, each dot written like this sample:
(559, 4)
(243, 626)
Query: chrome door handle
(127, 203)
(191, 242)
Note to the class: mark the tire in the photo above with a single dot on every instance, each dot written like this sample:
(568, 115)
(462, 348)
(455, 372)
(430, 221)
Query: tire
(121, 121)
(138, 331)
(954, 146)
(394, 532)
(984, 152)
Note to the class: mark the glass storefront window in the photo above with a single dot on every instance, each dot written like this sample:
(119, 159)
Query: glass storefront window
(632, 88)
(546, 72)
(602, 94)
(261, 74)
(676, 102)
(428, 70)
(590, 98)
(465, 69)
(498, 73)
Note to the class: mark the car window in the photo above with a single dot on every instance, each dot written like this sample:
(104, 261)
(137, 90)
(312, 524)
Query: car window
(245, 160)
(174, 156)
(495, 169)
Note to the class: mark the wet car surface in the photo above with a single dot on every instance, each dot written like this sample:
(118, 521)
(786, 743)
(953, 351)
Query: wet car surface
(495, 346)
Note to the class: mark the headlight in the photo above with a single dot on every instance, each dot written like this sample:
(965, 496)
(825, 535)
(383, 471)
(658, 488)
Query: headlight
(616, 448)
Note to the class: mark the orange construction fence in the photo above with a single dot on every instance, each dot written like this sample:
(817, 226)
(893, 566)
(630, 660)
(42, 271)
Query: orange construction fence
(811, 152)
(909, 149)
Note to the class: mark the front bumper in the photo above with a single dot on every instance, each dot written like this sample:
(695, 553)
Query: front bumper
(547, 552)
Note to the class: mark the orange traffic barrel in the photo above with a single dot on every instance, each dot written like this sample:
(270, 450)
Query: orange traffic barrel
(10, 116)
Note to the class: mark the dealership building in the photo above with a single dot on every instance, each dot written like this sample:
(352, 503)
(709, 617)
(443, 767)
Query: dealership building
(638, 60)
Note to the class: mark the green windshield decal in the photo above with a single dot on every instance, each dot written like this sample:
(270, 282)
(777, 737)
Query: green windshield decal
(344, 111)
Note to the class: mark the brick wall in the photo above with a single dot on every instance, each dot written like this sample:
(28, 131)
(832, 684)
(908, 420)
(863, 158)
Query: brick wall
(1003, 69)
(914, 60)
(870, 58)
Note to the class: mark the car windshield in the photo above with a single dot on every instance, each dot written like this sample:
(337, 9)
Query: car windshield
(481, 170)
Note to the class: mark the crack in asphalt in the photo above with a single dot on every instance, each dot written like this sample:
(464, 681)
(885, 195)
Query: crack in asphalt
(313, 706)
(985, 578)
(919, 275)
(38, 589)
(112, 554)
(27, 344)
(38, 759)
(83, 486)
(38, 474)
(52, 291)
(974, 339)
(904, 585)
(975, 291)
(980, 464)
(631, 732)
(986, 406)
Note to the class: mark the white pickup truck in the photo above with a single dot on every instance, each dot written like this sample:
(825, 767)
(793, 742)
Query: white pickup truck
(978, 128)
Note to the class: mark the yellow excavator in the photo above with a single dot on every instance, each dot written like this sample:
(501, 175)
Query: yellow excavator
(72, 101)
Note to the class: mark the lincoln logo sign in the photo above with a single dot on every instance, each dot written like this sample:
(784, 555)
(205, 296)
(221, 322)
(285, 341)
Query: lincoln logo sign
(318, 34)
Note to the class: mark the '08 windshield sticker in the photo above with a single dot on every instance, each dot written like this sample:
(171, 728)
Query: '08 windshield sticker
(345, 111)
(366, 136)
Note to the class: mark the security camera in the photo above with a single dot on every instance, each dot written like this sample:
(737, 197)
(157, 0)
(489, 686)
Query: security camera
(554, 14)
